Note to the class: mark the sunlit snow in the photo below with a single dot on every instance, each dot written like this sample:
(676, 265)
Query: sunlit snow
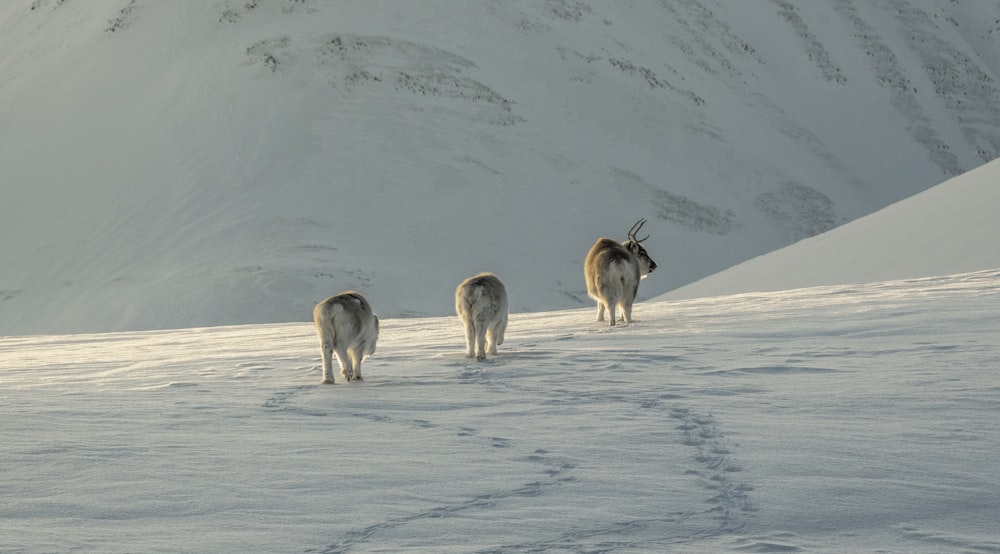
(182, 166)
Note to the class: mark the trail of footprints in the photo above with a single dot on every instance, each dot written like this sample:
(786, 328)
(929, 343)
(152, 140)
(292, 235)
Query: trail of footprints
(282, 401)
(555, 470)
(715, 467)
(712, 464)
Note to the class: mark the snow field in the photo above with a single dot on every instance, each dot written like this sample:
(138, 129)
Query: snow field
(840, 418)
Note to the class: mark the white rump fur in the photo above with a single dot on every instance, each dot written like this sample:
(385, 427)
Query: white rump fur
(348, 328)
(481, 302)
(613, 271)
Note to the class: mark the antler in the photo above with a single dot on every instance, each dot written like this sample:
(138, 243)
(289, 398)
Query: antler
(635, 229)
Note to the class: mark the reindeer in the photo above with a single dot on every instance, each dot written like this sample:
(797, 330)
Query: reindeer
(613, 271)
(481, 302)
(348, 328)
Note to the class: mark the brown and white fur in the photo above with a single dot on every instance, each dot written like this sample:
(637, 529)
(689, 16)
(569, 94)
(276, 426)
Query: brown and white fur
(613, 272)
(348, 328)
(481, 302)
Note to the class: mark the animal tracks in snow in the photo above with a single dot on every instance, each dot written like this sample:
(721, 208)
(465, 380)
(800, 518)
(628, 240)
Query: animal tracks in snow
(550, 471)
(506, 463)
(547, 465)
(715, 466)
(282, 401)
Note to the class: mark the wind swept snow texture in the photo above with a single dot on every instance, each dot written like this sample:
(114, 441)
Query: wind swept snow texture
(208, 162)
(835, 419)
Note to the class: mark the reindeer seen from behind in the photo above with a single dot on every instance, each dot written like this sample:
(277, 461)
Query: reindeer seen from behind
(613, 272)
(348, 329)
(481, 303)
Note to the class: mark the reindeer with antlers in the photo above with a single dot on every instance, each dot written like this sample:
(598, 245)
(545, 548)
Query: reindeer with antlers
(613, 271)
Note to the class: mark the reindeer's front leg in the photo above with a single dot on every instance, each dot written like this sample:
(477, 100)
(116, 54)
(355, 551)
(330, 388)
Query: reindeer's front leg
(627, 313)
(345, 363)
(612, 304)
(491, 342)
(480, 342)
(356, 362)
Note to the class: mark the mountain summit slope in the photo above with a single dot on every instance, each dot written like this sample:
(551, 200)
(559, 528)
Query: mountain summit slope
(950, 228)
(175, 164)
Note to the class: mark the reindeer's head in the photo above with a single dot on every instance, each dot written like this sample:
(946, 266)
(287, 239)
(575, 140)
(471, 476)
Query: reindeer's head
(634, 245)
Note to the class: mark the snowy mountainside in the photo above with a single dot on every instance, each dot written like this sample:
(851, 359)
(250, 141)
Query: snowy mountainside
(947, 229)
(173, 164)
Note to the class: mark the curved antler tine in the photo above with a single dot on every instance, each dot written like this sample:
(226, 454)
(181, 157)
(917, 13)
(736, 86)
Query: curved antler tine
(635, 229)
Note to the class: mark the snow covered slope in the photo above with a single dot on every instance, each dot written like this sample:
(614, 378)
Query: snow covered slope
(950, 228)
(835, 419)
(185, 163)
